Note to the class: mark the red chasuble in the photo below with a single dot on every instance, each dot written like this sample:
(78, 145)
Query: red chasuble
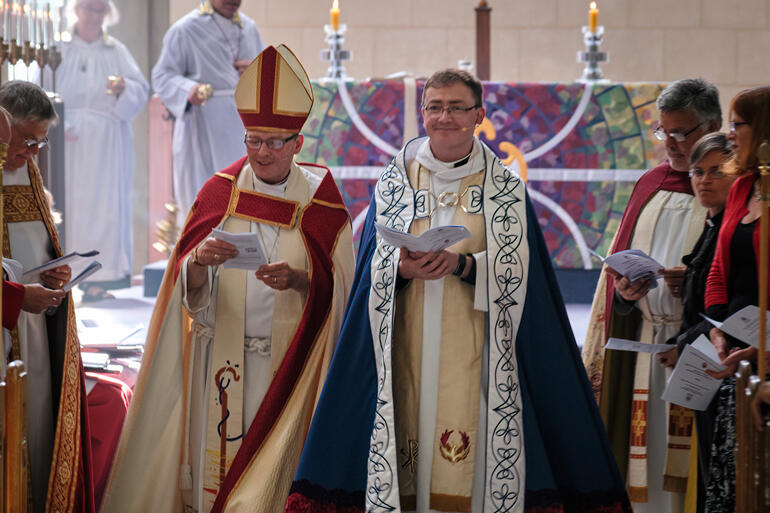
(321, 222)
(13, 296)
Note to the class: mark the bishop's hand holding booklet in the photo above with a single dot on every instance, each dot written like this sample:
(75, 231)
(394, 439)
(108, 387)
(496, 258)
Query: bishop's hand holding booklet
(435, 239)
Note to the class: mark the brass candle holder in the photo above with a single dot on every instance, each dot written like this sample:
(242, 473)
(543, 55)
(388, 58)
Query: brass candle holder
(41, 58)
(53, 60)
(28, 53)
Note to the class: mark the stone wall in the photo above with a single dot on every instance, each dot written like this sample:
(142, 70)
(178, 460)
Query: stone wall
(725, 41)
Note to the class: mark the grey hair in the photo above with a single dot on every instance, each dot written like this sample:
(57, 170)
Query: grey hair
(26, 102)
(694, 94)
(715, 141)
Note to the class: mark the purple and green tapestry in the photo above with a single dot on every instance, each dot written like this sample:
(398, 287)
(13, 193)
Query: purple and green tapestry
(583, 153)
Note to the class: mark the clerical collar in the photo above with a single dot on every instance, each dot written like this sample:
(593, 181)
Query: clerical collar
(207, 8)
(450, 170)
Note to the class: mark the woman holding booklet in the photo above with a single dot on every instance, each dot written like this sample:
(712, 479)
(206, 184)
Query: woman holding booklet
(711, 185)
(733, 280)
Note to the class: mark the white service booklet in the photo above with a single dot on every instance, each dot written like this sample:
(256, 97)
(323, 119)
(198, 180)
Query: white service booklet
(634, 264)
(435, 239)
(69, 258)
(250, 254)
(744, 325)
(622, 344)
(689, 385)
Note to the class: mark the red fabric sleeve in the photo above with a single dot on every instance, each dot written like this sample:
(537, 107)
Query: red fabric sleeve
(13, 296)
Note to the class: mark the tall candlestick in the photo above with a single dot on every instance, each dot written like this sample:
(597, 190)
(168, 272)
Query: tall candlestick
(593, 17)
(5, 20)
(334, 15)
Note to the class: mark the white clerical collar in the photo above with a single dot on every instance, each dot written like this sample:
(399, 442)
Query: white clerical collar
(451, 170)
(272, 189)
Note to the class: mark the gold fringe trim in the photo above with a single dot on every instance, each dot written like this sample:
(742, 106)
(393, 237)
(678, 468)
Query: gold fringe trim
(675, 484)
(637, 493)
(457, 503)
(408, 502)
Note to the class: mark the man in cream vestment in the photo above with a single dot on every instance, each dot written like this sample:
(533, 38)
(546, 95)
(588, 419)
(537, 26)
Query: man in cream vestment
(58, 441)
(222, 405)
(650, 437)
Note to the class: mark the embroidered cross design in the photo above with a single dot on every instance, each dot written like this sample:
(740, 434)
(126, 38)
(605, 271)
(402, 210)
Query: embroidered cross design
(410, 453)
(639, 424)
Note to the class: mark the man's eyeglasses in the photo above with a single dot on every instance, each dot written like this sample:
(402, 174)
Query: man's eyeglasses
(735, 124)
(661, 134)
(36, 143)
(255, 143)
(452, 110)
(700, 174)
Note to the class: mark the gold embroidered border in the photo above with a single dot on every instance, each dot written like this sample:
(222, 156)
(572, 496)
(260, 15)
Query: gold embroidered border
(19, 204)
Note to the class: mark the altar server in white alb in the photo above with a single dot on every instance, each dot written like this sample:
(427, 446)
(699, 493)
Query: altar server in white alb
(103, 91)
(204, 54)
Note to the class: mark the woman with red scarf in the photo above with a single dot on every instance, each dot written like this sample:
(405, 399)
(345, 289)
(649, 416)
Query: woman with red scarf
(733, 281)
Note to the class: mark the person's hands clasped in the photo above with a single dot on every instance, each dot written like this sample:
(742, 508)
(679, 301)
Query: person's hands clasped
(427, 266)
(56, 278)
(281, 276)
(674, 279)
(627, 289)
(669, 358)
(38, 298)
(214, 252)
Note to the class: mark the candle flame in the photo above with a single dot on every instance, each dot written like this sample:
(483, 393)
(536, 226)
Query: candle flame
(336, 4)
(593, 5)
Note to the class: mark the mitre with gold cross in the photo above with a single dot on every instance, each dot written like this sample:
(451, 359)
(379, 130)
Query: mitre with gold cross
(274, 93)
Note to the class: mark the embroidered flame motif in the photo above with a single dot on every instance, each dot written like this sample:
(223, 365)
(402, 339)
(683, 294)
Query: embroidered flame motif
(455, 453)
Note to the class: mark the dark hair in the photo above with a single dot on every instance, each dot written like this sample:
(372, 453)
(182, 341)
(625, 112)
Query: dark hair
(26, 102)
(753, 105)
(692, 94)
(451, 76)
(715, 141)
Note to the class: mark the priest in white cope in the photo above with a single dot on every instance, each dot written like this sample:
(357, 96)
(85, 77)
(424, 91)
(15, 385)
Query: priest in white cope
(103, 91)
(651, 438)
(210, 46)
(456, 385)
(59, 450)
(221, 408)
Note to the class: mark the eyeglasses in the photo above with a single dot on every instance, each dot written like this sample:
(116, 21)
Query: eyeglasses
(452, 110)
(255, 143)
(735, 124)
(36, 143)
(661, 134)
(700, 174)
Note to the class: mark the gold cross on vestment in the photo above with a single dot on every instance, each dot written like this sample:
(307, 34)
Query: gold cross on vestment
(410, 453)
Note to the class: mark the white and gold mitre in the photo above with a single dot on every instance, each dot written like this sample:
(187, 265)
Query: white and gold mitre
(274, 93)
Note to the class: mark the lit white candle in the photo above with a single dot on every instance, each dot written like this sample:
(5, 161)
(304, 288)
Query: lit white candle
(48, 26)
(24, 22)
(33, 22)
